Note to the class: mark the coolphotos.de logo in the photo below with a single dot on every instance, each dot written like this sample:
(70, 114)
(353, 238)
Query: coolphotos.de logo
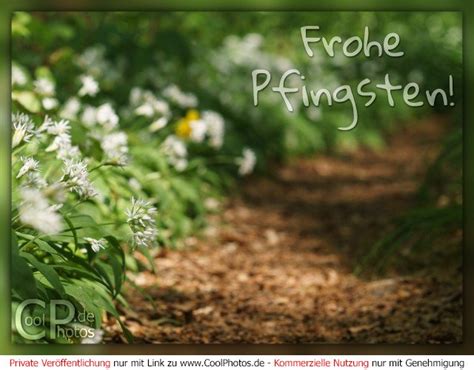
(61, 321)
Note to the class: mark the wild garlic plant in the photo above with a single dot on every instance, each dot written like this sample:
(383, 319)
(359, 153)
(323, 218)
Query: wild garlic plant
(95, 182)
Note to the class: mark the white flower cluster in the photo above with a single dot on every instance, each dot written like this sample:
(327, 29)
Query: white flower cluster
(44, 86)
(106, 117)
(29, 165)
(30, 171)
(76, 178)
(35, 211)
(103, 124)
(115, 148)
(103, 117)
(94, 64)
(247, 162)
(96, 244)
(89, 86)
(209, 125)
(198, 130)
(71, 108)
(147, 104)
(176, 151)
(180, 98)
(19, 77)
(141, 219)
(246, 51)
(62, 141)
(23, 129)
(46, 89)
(34, 208)
(215, 128)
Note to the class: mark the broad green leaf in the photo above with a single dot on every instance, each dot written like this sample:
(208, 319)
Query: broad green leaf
(28, 100)
(48, 272)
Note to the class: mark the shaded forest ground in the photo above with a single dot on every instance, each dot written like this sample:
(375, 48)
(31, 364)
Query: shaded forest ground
(276, 265)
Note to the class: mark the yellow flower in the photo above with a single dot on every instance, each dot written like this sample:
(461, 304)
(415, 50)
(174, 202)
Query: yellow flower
(192, 115)
(183, 128)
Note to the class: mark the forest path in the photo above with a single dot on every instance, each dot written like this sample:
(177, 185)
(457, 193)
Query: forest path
(276, 265)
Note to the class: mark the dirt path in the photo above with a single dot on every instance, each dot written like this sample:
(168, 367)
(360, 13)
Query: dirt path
(276, 266)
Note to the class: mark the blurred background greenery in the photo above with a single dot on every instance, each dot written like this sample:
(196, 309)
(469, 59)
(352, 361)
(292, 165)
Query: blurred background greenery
(188, 47)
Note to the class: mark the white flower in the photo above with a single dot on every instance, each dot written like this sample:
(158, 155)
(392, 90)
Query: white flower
(148, 104)
(93, 60)
(29, 165)
(56, 128)
(158, 124)
(30, 168)
(63, 147)
(246, 162)
(71, 108)
(18, 76)
(89, 116)
(179, 163)
(62, 141)
(89, 86)
(71, 152)
(184, 100)
(44, 86)
(49, 103)
(76, 178)
(115, 147)
(215, 128)
(145, 109)
(198, 130)
(176, 151)
(135, 95)
(35, 180)
(135, 184)
(36, 212)
(96, 244)
(174, 146)
(96, 337)
(106, 116)
(161, 107)
(23, 128)
(141, 219)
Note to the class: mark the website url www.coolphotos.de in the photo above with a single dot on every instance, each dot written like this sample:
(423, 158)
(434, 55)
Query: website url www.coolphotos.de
(237, 362)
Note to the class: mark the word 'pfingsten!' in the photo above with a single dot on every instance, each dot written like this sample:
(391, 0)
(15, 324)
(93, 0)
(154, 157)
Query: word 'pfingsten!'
(344, 93)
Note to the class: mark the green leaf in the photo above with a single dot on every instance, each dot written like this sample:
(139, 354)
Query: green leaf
(44, 246)
(28, 100)
(73, 231)
(23, 282)
(107, 274)
(119, 273)
(80, 292)
(77, 270)
(48, 272)
(126, 332)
